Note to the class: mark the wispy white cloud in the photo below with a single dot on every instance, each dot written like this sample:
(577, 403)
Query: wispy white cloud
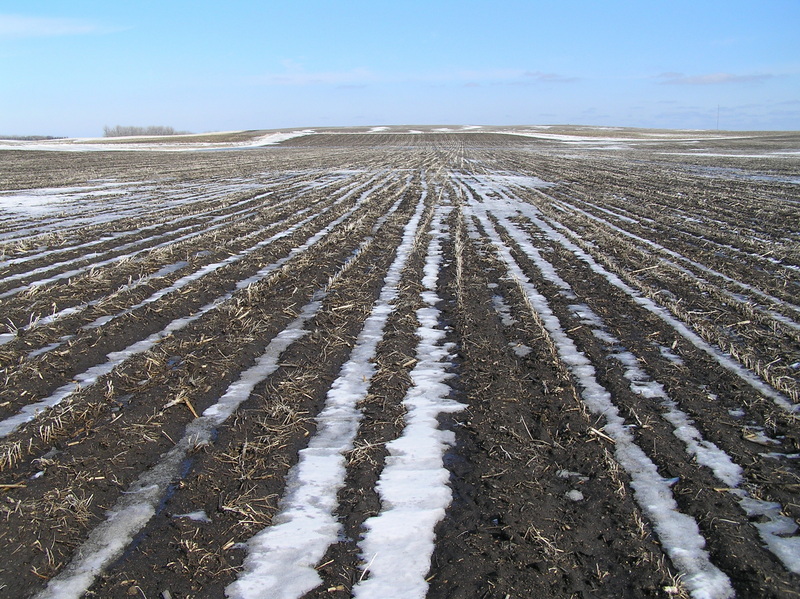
(294, 74)
(541, 77)
(297, 76)
(20, 26)
(711, 78)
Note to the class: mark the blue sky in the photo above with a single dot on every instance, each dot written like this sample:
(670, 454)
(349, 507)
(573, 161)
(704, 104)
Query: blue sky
(69, 68)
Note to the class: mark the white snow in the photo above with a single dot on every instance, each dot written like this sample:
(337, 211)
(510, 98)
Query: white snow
(775, 532)
(697, 265)
(503, 310)
(135, 508)
(138, 504)
(678, 532)
(399, 541)
(198, 516)
(52, 200)
(281, 559)
(570, 474)
(520, 349)
(779, 532)
(90, 376)
(146, 144)
(670, 355)
(721, 358)
(276, 138)
(494, 179)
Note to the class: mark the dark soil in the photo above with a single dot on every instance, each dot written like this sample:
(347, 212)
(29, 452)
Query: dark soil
(540, 505)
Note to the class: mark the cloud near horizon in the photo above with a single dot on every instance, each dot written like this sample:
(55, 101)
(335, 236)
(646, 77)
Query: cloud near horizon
(711, 78)
(20, 26)
(295, 75)
(548, 77)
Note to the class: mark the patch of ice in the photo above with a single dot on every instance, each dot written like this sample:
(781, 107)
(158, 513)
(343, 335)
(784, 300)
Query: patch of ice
(503, 310)
(517, 180)
(777, 456)
(169, 269)
(568, 474)
(51, 347)
(520, 349)
(779, 532)
(667, 353)
(198, 516)
(757, 435)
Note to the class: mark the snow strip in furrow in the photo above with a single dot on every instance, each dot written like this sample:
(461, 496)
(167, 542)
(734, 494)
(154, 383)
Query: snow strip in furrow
(679, 533)
(185, 280)
(204, 229)
(534, 216)
(281, 559)
(114, 359)
(704, 220)
(531, 213)
(203, 215)
(166, 270)
(208, 269)
(138, 504)
(705, 452)
(399, 541)
(697, 265)
(778, 532)
(65, 312)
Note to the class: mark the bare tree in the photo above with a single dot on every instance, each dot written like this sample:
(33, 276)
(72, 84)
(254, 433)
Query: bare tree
(127, 131)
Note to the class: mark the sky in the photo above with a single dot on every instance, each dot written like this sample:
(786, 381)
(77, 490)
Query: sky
(71, 68)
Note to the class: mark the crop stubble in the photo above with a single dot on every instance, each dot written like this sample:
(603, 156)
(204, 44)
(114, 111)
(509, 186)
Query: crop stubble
(540, 503)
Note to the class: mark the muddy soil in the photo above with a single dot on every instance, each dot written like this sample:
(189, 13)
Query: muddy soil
(664, 283)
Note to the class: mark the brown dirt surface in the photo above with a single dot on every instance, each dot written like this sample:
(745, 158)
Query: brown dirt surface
(618, 309)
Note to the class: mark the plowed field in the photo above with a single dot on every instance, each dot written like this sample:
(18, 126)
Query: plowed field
(393, 365)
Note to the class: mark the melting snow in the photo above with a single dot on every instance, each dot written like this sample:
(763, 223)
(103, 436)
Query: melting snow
(281, 559)
(677, 531)
(707, 581)
(198, 516)
(89, 377)
(399, 541)
(138, 505)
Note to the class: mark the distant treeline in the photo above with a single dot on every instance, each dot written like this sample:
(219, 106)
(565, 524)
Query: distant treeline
(29, 137)
(120, 131)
